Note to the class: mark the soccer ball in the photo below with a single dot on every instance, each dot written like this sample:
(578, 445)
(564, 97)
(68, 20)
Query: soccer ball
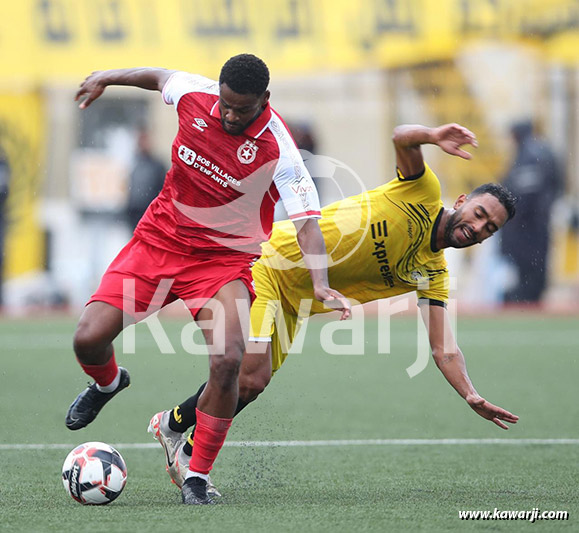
(94, 473)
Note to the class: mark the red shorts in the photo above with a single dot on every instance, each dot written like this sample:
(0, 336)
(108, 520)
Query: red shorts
(144, 278)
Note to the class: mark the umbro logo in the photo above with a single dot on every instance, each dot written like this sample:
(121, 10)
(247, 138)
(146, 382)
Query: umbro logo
(199, 124)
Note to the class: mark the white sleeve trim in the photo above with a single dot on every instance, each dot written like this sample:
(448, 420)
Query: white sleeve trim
(311, 214)
(259, 339)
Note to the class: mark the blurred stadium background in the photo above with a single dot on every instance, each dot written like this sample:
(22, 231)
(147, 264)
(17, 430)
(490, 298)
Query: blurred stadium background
(345, 72)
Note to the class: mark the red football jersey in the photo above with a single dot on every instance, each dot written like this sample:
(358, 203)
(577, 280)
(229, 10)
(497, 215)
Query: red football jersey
(221, 189)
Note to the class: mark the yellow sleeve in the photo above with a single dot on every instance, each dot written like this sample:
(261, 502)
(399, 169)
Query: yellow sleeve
(421, 188)
(436, 288)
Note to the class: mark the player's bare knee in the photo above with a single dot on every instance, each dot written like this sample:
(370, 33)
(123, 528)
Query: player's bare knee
(87, 342)
(224, 369)
(252, 385)
(81, 341)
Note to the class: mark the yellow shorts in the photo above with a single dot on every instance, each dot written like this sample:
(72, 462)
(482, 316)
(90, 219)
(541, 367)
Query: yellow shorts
(269, 322)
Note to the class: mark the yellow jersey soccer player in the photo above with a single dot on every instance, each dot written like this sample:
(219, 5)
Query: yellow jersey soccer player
(391, 253)
(402, 230)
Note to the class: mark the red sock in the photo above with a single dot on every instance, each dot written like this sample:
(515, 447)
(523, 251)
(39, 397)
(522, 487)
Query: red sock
(210, 433)
(102, 374)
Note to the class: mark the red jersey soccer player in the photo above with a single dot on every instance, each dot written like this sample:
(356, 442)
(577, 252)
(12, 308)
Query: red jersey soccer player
(232, 159)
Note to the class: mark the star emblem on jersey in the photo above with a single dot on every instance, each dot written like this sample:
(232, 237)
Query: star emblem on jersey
(246, 152)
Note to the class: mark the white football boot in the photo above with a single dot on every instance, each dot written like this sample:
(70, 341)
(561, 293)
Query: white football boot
(169, 439)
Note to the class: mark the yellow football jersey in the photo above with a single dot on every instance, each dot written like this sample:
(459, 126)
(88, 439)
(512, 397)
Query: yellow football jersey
(379, 244)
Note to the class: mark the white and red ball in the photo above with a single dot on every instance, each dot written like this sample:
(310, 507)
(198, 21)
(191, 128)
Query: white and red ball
(94, 473)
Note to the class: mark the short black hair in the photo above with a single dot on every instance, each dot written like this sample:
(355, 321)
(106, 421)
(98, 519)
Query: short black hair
(502, 194)
(245, 74)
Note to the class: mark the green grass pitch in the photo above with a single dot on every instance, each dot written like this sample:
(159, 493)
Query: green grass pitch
(526, 363)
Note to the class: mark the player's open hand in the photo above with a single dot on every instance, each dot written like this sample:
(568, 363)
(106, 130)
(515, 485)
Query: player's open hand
(491, 412)
(334, 300)
(90, 89)
(450, 137)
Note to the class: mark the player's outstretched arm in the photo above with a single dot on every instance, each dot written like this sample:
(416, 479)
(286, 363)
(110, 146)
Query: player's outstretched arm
(408, 138)
(313, 248)
(451, 363)
(152, 79)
